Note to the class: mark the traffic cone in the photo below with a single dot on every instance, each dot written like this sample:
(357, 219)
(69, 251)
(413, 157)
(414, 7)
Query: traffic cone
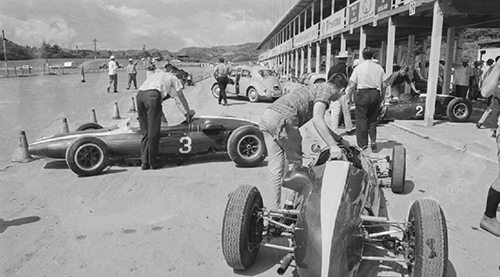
(116, 112)
(132, 106)
(65, 128)
(83, 75)
(93, 118)
(21, 155)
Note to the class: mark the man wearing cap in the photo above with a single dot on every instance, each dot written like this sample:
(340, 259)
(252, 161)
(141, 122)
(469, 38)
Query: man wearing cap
(157, 88)
(113, 73)
(367, 78)
(132, 73)
(461, 78)
(342, 104)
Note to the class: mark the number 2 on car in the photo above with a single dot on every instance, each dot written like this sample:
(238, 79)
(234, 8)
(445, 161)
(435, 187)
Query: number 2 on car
(420, 111)
(186, 145)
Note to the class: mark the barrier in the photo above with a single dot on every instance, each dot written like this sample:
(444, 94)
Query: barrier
(116, 112)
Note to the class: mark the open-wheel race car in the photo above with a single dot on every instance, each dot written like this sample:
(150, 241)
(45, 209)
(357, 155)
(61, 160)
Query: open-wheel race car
(91, 148)
(336, 220)
(456, 109)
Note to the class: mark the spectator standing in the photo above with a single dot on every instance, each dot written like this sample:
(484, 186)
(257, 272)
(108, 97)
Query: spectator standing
(489, 220)
(157, 88)
(462, 77)
(493, 100)
(280, 125)
(132, 73)
(221, 73)
(113, 74)
(367, 78)
(150, 67)
(342, 105)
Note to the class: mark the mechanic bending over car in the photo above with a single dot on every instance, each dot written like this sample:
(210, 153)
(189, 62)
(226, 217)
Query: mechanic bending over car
(396, 79)
(157, 88)
(280, 125)
(489, 220)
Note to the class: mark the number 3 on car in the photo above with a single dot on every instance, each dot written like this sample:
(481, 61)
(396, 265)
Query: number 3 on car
(186, 145)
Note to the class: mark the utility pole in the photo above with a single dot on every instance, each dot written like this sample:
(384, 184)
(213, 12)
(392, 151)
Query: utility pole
(95, 47)
(5, 53)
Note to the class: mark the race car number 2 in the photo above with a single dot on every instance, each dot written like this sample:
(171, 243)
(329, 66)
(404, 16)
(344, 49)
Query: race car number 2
(420, 111)
(186, 145)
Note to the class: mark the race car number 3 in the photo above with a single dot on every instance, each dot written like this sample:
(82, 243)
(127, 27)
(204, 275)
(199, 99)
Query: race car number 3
(186, 145)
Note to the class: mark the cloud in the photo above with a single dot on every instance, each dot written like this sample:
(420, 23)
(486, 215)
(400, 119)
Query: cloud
(127, 11)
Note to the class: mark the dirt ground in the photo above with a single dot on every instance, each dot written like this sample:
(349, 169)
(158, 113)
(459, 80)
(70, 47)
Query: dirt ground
(167, 222)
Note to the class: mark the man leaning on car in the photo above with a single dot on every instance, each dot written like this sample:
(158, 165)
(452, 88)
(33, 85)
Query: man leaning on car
(157, 88)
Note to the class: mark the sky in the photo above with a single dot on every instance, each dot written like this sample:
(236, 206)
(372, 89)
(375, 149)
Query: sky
(131, 24)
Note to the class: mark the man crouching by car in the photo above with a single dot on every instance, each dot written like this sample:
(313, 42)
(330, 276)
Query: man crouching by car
(157, 88)
(280, 125)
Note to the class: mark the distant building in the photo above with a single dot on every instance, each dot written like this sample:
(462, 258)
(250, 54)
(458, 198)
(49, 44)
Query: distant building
(183, 57)
(488, 50)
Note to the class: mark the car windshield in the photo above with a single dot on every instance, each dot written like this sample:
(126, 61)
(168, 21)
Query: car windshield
(266, 73)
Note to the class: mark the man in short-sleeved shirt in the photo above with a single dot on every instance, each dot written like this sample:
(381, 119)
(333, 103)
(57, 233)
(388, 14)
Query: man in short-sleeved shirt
(367, 78)
(113, 74)
(280, 125)
(158, 87)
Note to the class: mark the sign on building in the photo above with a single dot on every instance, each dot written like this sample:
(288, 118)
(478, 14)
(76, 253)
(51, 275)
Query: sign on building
(366, 9)
(331, 24)
(354, 13)
(382, 6)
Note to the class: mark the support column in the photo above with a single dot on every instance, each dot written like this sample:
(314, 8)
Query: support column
(328, 55)
(450, 49)
(383, 52)
(318, 56)
(362, 38)
(391, 41)
(343, 43)
(411, 59)
(399, 56)
(309, 58)
(430, 101)
(296, 63)
(302, 58)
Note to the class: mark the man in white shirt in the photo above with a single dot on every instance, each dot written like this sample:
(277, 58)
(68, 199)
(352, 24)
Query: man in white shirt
(113, 73)
(367, 78)
(157, 88)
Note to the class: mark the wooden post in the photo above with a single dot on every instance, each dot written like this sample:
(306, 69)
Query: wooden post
(302, 58)
(318, 56)
(5, 54)
(309, 58)
(399, 56)
(391, 41)
(343, 43)
(297, 63)
(328, 56)
(450, 49)
(362, 38)
(383, 52)
(411, 58)
(430, 101)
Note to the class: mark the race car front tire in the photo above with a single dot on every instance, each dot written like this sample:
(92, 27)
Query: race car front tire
(89, 126)
(246, 146)
(459, 110)
(87, 156)
(398, 169)
(242, 227)
(428, 235)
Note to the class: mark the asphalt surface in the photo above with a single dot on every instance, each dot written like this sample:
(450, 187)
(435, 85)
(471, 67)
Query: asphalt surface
(167, 222)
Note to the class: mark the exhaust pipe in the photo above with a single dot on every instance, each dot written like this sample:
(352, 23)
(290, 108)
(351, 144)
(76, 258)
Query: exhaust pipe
(285, 264)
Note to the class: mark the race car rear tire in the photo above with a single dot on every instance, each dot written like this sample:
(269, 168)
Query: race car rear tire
(429, 236)
(398, 169)
(89, 126)
(319, 81)
(246, 146)
(242, 227)
(253, 95)
(216, 90)
(87, 156)
(459, 110)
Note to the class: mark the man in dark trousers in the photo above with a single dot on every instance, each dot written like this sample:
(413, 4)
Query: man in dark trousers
(489, 220)
(221, 73)
(158, 87)
(367, 78)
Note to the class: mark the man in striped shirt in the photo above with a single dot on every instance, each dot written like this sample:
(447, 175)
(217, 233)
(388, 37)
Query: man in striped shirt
(280, 125)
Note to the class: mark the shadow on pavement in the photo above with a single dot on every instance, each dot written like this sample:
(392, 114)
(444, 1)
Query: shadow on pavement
(17, 222)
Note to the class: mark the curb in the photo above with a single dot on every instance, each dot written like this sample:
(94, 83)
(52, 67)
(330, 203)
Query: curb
(456, 146)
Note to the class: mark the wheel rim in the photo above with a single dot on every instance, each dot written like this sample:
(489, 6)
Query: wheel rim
(253, 94)
(460, 110)
(254, 231)
(89, 156)
(249, 146)
(216, 91)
